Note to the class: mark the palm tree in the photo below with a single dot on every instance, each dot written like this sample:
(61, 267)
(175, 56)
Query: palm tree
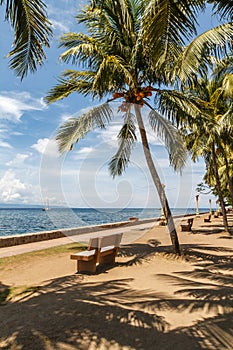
(223, 7)
(32, 30)
(211, 138)
(130, 46)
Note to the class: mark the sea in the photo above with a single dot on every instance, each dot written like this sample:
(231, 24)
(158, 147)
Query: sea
(29, 220)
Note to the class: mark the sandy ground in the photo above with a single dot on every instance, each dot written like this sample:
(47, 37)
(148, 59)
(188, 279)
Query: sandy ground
(151, 299)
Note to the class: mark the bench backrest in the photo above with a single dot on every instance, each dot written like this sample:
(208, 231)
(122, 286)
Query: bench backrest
(105, 241)
(93, 243)
(111, 240)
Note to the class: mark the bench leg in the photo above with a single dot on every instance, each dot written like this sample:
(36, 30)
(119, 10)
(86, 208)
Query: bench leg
(108, 259)
(186, 228)
(86, 266)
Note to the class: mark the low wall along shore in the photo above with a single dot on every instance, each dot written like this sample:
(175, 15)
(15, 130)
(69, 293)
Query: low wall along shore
(8, 241)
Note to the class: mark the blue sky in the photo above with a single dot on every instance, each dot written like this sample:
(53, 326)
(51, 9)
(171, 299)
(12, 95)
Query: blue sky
(31, 168)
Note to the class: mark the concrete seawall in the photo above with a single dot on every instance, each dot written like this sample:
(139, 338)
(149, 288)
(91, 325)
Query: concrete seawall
(8, 241)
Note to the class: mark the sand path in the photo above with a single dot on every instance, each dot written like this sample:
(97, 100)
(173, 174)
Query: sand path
(151, 299)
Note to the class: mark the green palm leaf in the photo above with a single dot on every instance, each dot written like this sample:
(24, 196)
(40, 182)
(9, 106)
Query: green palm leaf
(127, 138)
(77, 128)
(167, 25)
(72, 81)
(171, 137)
(197, 54)
(182, 108)
(80, 49)
(32, 30)
(223, 7)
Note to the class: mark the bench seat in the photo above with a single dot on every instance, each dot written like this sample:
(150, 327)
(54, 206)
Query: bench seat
(187, 226)
(86, 260)
(85, 255)
(101, 250)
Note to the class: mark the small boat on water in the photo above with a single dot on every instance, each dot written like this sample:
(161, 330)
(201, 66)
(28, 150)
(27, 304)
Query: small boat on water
(46, 207)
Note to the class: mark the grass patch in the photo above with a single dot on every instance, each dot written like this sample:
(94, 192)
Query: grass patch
(9, 293)
(26, 258)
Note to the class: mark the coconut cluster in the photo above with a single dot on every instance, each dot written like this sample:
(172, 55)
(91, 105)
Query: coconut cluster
(133, 96)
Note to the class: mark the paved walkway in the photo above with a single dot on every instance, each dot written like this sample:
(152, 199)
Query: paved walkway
(131, 233)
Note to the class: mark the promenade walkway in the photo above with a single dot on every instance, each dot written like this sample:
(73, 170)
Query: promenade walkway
(133, 232)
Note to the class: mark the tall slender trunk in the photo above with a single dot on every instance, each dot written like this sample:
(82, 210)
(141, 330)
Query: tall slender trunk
(157, 182)
(219, 188)
(229, 179)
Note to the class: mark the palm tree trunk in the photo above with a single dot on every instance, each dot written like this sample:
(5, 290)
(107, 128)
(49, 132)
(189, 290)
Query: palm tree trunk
(229, 180)
(157, 182)
(219, 188)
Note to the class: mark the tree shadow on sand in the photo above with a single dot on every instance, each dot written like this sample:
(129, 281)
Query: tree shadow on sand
(4, 292)
(75, 313)
(209, 287)
(70, 313)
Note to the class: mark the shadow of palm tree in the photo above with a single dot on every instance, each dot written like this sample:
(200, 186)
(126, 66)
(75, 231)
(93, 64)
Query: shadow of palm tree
(4, 292)
(83, 315)
(212, 332)
(74, 313)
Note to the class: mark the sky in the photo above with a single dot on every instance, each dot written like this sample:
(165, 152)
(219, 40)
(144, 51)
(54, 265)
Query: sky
(31, 169)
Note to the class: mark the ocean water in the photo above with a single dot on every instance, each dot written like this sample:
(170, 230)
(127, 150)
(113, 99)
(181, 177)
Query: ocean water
(20, 221)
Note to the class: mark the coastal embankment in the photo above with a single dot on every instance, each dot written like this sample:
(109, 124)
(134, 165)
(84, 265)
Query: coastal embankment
(18, 239)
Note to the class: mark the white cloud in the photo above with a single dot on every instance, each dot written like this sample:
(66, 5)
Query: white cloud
(5, 144)
(14, 104)
(83, 152)
(15, 190)
(46, 147)
(18, 160)
(11, 188)
(61, 17)
(65, 117)
(60, 26)
(109, 135)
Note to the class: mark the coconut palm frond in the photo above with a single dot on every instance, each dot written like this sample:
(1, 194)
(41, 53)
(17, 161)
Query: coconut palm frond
(171, 137)
(222, 67)
(71, 81)
(182, 108)
(226, 122)
(81, 49)
(224, 8)
(166, 28)
(77, 128)
(197, 54)
(112, 71)
(32, 30)
(126, 138)
(227, 86)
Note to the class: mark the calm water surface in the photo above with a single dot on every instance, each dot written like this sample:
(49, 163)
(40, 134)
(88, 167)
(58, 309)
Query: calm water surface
(19, 221)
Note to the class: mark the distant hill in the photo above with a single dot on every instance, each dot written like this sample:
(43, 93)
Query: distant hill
(18, 206)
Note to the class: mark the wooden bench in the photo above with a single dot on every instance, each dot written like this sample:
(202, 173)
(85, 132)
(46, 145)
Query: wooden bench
(208, 219)
(100, 251)
(187, 226)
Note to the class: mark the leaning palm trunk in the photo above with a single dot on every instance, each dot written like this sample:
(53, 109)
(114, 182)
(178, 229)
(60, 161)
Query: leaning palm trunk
(157, 182)
(229, 179)
(219, 189)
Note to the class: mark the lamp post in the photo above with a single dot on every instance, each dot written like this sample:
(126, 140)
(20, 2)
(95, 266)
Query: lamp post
(197, 210)
(217, 208)
(210, 206)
